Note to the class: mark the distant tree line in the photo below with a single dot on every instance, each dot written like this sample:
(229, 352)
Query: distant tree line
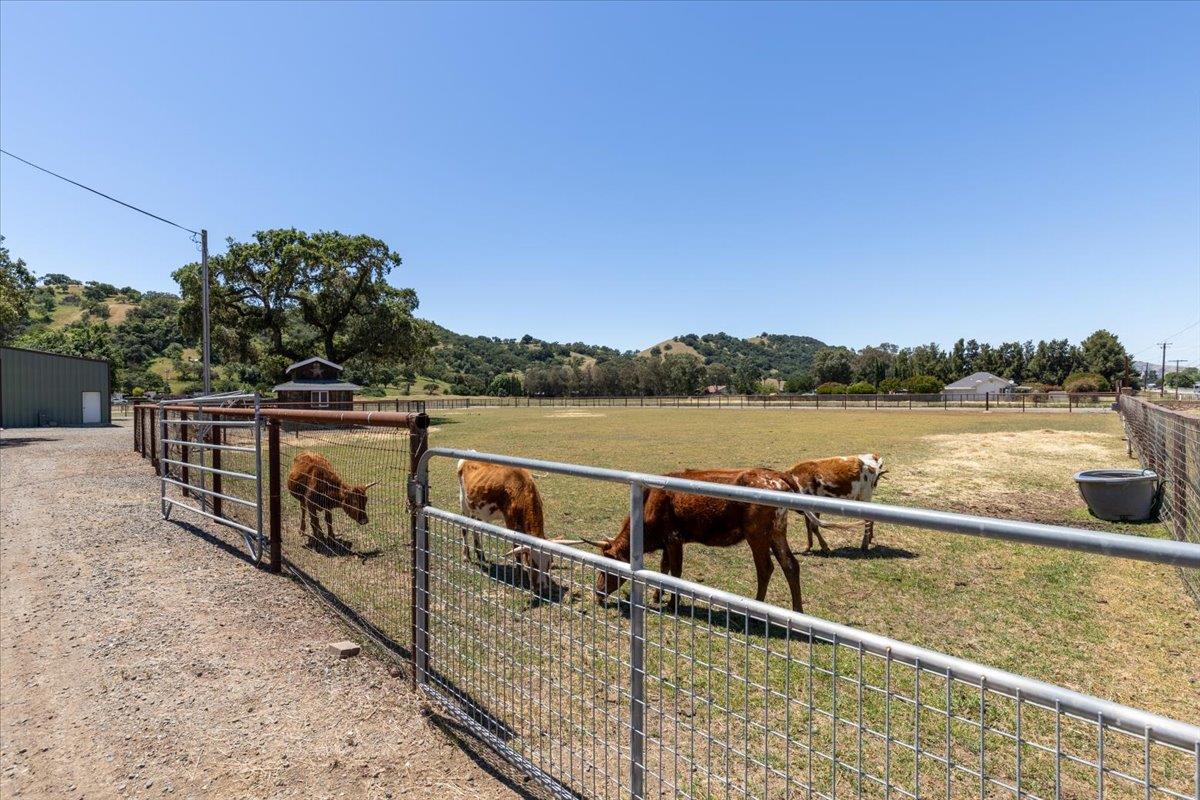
(288, 294)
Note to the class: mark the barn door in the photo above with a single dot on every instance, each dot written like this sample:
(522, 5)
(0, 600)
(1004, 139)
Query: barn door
(91, 408)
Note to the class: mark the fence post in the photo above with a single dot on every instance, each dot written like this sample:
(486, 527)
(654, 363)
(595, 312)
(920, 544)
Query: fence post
(987, 401)
(137, 419)
(162, 468)
(418, 443)
(637, 639)
(1180, 484)
(216, 436)
(275, 509)
(154, 440)
(1070, 400)
(185, 453)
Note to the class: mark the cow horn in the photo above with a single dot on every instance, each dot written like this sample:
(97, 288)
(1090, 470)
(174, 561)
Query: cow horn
(883, 472)
(603, 543)
(369, 485)
(566, 541)
(517, 549)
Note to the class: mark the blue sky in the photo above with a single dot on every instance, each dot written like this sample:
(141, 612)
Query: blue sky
(622, 173)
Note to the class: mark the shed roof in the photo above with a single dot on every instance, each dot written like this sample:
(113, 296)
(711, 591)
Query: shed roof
(56, 355)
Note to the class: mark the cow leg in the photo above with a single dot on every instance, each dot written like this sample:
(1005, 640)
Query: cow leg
(478, 541)
(813, 526)
(664, 567)
(329, 527)
(791, 567)
(868, 534)
(303, 517)
(315, 526)
(672, 564)
(763, 566)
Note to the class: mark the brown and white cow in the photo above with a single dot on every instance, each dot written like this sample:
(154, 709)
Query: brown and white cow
(673, 519)
(843, 477)
(505, 496)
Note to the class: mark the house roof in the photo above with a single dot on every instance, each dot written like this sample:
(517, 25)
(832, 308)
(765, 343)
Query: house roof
(308, 361)
(317, 386)
(976, 378)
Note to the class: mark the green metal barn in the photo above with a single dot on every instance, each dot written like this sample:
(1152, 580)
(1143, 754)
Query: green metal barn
(39, 389)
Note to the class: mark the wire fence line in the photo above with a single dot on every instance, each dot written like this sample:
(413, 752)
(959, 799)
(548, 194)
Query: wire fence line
(1167, 441)
(1005, 401)
(715, 696)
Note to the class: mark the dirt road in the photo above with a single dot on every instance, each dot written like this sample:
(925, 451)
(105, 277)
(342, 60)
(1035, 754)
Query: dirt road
(142, 658)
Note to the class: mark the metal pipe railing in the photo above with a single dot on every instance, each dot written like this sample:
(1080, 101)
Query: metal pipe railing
(1161, 551)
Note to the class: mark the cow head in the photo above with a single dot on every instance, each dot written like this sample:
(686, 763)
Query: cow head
(354, 502)
(873, 467)
(618, 550)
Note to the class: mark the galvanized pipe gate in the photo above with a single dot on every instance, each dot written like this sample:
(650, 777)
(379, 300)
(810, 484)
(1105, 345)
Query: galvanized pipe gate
(208, 443)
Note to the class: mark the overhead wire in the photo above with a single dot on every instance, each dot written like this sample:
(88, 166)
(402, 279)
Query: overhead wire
(100, 193)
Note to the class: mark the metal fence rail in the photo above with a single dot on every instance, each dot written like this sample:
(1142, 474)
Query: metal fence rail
(723, 696)
(1168, 441)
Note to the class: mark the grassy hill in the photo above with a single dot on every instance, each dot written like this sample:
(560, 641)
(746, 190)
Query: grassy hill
(152, 350)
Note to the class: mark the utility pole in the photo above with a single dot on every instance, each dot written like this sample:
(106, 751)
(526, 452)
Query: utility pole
(1162, 376)
(1177, 361)
(204, 313)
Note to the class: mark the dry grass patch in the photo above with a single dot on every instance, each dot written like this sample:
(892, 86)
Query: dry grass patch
(993, 472)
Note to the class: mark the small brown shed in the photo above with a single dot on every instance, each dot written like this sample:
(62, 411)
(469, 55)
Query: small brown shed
(316, 383)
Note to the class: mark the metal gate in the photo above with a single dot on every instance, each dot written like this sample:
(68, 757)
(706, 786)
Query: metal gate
(192, 453)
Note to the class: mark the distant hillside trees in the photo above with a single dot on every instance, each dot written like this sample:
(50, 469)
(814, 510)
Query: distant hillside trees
(288, 294)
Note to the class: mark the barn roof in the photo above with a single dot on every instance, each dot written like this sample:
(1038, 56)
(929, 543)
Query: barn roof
(308, 361)
(317, 386)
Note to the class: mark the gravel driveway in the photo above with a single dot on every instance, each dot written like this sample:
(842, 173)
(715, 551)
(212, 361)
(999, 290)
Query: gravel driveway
(143, 658)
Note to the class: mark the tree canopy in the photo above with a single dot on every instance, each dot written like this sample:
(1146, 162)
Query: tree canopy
(16, 293)
(289, 294)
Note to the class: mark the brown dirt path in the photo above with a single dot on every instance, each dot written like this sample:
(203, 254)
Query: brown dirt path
(140, 658)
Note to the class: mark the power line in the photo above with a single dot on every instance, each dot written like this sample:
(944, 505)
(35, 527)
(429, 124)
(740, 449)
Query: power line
(1159, 344)
(102, 194)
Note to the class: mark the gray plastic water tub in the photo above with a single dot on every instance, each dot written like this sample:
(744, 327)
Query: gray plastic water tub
(1119, 495)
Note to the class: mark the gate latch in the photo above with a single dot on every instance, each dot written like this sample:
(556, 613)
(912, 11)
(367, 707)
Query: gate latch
(417, 493)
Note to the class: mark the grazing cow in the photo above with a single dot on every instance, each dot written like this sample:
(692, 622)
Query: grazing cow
(843, 477)
(507, 496)
(317, 487)
(673, 519)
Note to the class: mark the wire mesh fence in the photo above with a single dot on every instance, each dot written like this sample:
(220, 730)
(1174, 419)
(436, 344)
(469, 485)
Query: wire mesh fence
(345, 522)
(739, 699)
(1167, 441)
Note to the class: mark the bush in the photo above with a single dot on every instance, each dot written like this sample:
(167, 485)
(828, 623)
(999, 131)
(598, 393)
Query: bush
(861, 387)
(800, 383)
(373, 391)
(924, 384)
(831, 387)
(1086, 382)
(890, 385)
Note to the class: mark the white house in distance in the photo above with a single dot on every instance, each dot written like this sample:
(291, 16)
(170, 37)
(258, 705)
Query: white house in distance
(980, 383)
